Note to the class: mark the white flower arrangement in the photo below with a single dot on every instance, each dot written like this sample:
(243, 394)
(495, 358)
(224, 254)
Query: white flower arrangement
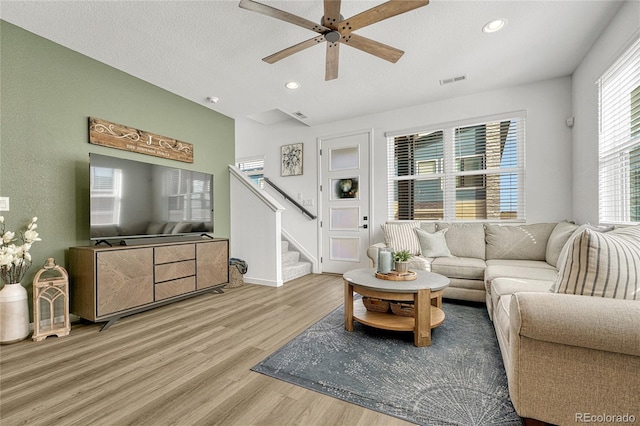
(16, 259)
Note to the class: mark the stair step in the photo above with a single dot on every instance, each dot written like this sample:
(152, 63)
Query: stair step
(289, 257)
(295, 270)
(292, 265)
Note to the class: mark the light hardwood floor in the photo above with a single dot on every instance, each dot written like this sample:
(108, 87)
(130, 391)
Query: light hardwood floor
(187, 363)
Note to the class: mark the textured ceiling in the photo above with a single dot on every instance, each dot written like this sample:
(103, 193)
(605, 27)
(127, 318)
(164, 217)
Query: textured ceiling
(198, 49)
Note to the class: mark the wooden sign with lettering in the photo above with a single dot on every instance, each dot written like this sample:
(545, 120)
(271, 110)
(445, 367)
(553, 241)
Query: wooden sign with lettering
(115, 135)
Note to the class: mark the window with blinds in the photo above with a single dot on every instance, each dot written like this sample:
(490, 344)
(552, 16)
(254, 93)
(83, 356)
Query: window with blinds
(619, 139)
(458, 172)
(254, 168)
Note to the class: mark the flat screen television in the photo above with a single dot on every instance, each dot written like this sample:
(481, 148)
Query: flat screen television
(135, 199)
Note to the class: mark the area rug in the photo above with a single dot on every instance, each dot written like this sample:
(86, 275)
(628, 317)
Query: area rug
(458, 380)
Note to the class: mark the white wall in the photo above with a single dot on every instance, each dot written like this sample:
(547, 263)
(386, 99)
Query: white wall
(548, 149)
(255, 229)
(624, 28)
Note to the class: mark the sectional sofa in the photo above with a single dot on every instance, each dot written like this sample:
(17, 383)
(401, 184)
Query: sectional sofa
(564, 300)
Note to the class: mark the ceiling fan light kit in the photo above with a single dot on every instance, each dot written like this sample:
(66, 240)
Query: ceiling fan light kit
(335, 30)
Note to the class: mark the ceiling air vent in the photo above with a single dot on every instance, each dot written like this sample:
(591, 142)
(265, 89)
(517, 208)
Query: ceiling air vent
(452, 80)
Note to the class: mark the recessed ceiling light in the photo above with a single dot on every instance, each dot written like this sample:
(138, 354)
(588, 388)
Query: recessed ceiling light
(495, 25)
(293, 85)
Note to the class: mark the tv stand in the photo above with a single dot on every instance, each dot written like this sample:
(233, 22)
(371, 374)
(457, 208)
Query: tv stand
(108, 283)
(104, 242)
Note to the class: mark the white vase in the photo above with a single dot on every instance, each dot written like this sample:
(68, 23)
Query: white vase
(14, 313)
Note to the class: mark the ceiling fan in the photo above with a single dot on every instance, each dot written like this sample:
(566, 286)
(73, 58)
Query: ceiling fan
(334, 29)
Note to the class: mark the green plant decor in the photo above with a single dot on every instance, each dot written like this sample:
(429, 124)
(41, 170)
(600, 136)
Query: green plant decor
(402, 256)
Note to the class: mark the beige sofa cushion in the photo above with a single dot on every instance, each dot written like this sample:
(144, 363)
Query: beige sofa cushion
(464, 239)
(520, 263)
(433, 244)
(420, 262)
(557, 240)
(602, 264)
(499, 287)
(494, 272)
(401, 236)
(528, 242)
(507, 286)
(459, 267)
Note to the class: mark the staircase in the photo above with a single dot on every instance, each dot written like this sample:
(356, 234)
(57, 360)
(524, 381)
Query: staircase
(292, 266)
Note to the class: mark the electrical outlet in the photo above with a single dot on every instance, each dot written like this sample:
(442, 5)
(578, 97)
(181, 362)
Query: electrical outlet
(307, 202)
(4, 204)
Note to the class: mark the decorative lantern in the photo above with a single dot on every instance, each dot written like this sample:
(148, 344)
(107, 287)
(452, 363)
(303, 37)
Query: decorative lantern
(51, 302)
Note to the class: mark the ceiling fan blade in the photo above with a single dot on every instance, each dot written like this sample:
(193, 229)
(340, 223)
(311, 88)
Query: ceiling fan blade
(271, 59)
(373, 47)
(331, 13)
(379, 13)
(333, 56)
(254, 6)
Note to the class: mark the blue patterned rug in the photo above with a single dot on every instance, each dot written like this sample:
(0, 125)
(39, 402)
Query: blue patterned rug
(458, 380)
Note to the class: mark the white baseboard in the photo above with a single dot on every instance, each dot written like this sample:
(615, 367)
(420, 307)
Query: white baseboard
(259, 281)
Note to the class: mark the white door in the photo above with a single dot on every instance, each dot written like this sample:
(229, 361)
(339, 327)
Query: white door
(345, 196)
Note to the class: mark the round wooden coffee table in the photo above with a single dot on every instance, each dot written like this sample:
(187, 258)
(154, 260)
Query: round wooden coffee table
(425, 292)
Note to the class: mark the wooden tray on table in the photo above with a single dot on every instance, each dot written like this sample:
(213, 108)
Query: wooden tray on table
(396, 276)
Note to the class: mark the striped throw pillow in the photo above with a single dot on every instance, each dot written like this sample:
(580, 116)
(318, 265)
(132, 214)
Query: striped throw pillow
(401, 236)
(602, 264)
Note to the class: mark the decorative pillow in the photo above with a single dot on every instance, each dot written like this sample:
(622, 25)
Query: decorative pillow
(465, 239)
(562, 258)
(401, 236)
(604, 264)
(433, 244)
(520, 242)
(557, 240)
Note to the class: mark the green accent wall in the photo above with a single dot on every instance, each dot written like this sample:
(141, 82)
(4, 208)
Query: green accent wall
(47, 94)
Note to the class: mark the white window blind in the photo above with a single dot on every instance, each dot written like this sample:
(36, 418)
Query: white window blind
(458, 172)
(254, 168)
(619, 139)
